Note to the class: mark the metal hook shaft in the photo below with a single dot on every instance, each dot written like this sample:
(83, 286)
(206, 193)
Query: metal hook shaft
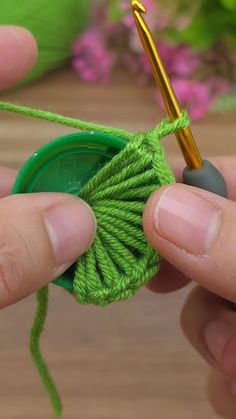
(184, 136)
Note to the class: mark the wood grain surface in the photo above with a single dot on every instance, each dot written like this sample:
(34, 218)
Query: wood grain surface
(127, 361)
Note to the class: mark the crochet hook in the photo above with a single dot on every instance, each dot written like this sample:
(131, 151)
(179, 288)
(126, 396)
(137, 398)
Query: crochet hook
(200, 173)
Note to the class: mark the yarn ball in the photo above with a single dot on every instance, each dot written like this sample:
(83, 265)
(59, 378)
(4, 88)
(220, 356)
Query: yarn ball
(54, 24)
(120, 261)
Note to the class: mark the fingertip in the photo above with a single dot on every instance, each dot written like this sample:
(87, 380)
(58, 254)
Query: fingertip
(18, 54)
(42, 235)
(31, 46)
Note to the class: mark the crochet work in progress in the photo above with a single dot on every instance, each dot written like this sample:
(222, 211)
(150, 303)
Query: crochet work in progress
(120, 260)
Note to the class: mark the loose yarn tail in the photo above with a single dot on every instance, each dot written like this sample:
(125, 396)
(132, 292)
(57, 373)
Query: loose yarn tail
(34, 344)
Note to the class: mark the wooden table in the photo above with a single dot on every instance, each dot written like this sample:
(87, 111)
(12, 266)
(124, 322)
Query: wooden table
(127, 361)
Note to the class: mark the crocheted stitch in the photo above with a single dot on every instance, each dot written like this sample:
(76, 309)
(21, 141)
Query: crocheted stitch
(120, 260)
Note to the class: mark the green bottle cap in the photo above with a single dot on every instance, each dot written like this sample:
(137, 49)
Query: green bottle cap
(65, 165)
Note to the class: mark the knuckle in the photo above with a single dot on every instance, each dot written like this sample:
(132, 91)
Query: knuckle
(13, 253)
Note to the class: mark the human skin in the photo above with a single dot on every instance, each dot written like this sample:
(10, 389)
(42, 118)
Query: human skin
(195, 232)
(41, 235)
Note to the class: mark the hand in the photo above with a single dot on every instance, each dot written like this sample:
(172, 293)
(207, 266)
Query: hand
(41, 235)
(195, 232)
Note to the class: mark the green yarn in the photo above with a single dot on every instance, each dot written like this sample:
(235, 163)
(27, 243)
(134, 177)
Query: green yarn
(54, 24)
(36, 331)
(120, 260)
(64, 120)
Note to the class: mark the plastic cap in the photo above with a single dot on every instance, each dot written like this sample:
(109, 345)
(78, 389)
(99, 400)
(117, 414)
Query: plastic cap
(65, 165)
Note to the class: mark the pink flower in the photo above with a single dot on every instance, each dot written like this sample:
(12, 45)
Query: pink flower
(194, 96)
(219, 86)
(92, 60)
(185, 61)
(179, 61)
(130, 62)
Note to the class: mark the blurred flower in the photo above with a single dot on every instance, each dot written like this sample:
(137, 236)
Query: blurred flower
(199, 78)
(130, 62)
(184, 61)
(220, 86)
(91, 58)
(196, 97)
(183, 21)
(178, 60)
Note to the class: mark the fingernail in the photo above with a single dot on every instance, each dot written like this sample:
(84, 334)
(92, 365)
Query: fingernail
(217, 334)
(71, 228)
(187, 220)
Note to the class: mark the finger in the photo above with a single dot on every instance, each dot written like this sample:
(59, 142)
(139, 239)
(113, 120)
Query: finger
(210, 326)
(222, 395)
(177, 169)
(195, 231)
(225, 164)
(7, 180)
(168, 279)
(41, 235)
(18, 53)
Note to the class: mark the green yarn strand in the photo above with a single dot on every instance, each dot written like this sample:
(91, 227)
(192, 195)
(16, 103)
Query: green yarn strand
(36, 331)
(63, 120)
(163, 129)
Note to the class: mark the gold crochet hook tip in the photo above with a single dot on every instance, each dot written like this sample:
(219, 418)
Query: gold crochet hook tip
(184, 135)
(137, 6)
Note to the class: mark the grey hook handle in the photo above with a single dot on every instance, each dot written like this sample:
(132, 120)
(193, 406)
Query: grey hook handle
(208, 178)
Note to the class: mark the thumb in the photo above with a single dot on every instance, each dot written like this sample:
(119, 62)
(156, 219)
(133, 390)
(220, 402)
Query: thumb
(195, 231)
(41, 235)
